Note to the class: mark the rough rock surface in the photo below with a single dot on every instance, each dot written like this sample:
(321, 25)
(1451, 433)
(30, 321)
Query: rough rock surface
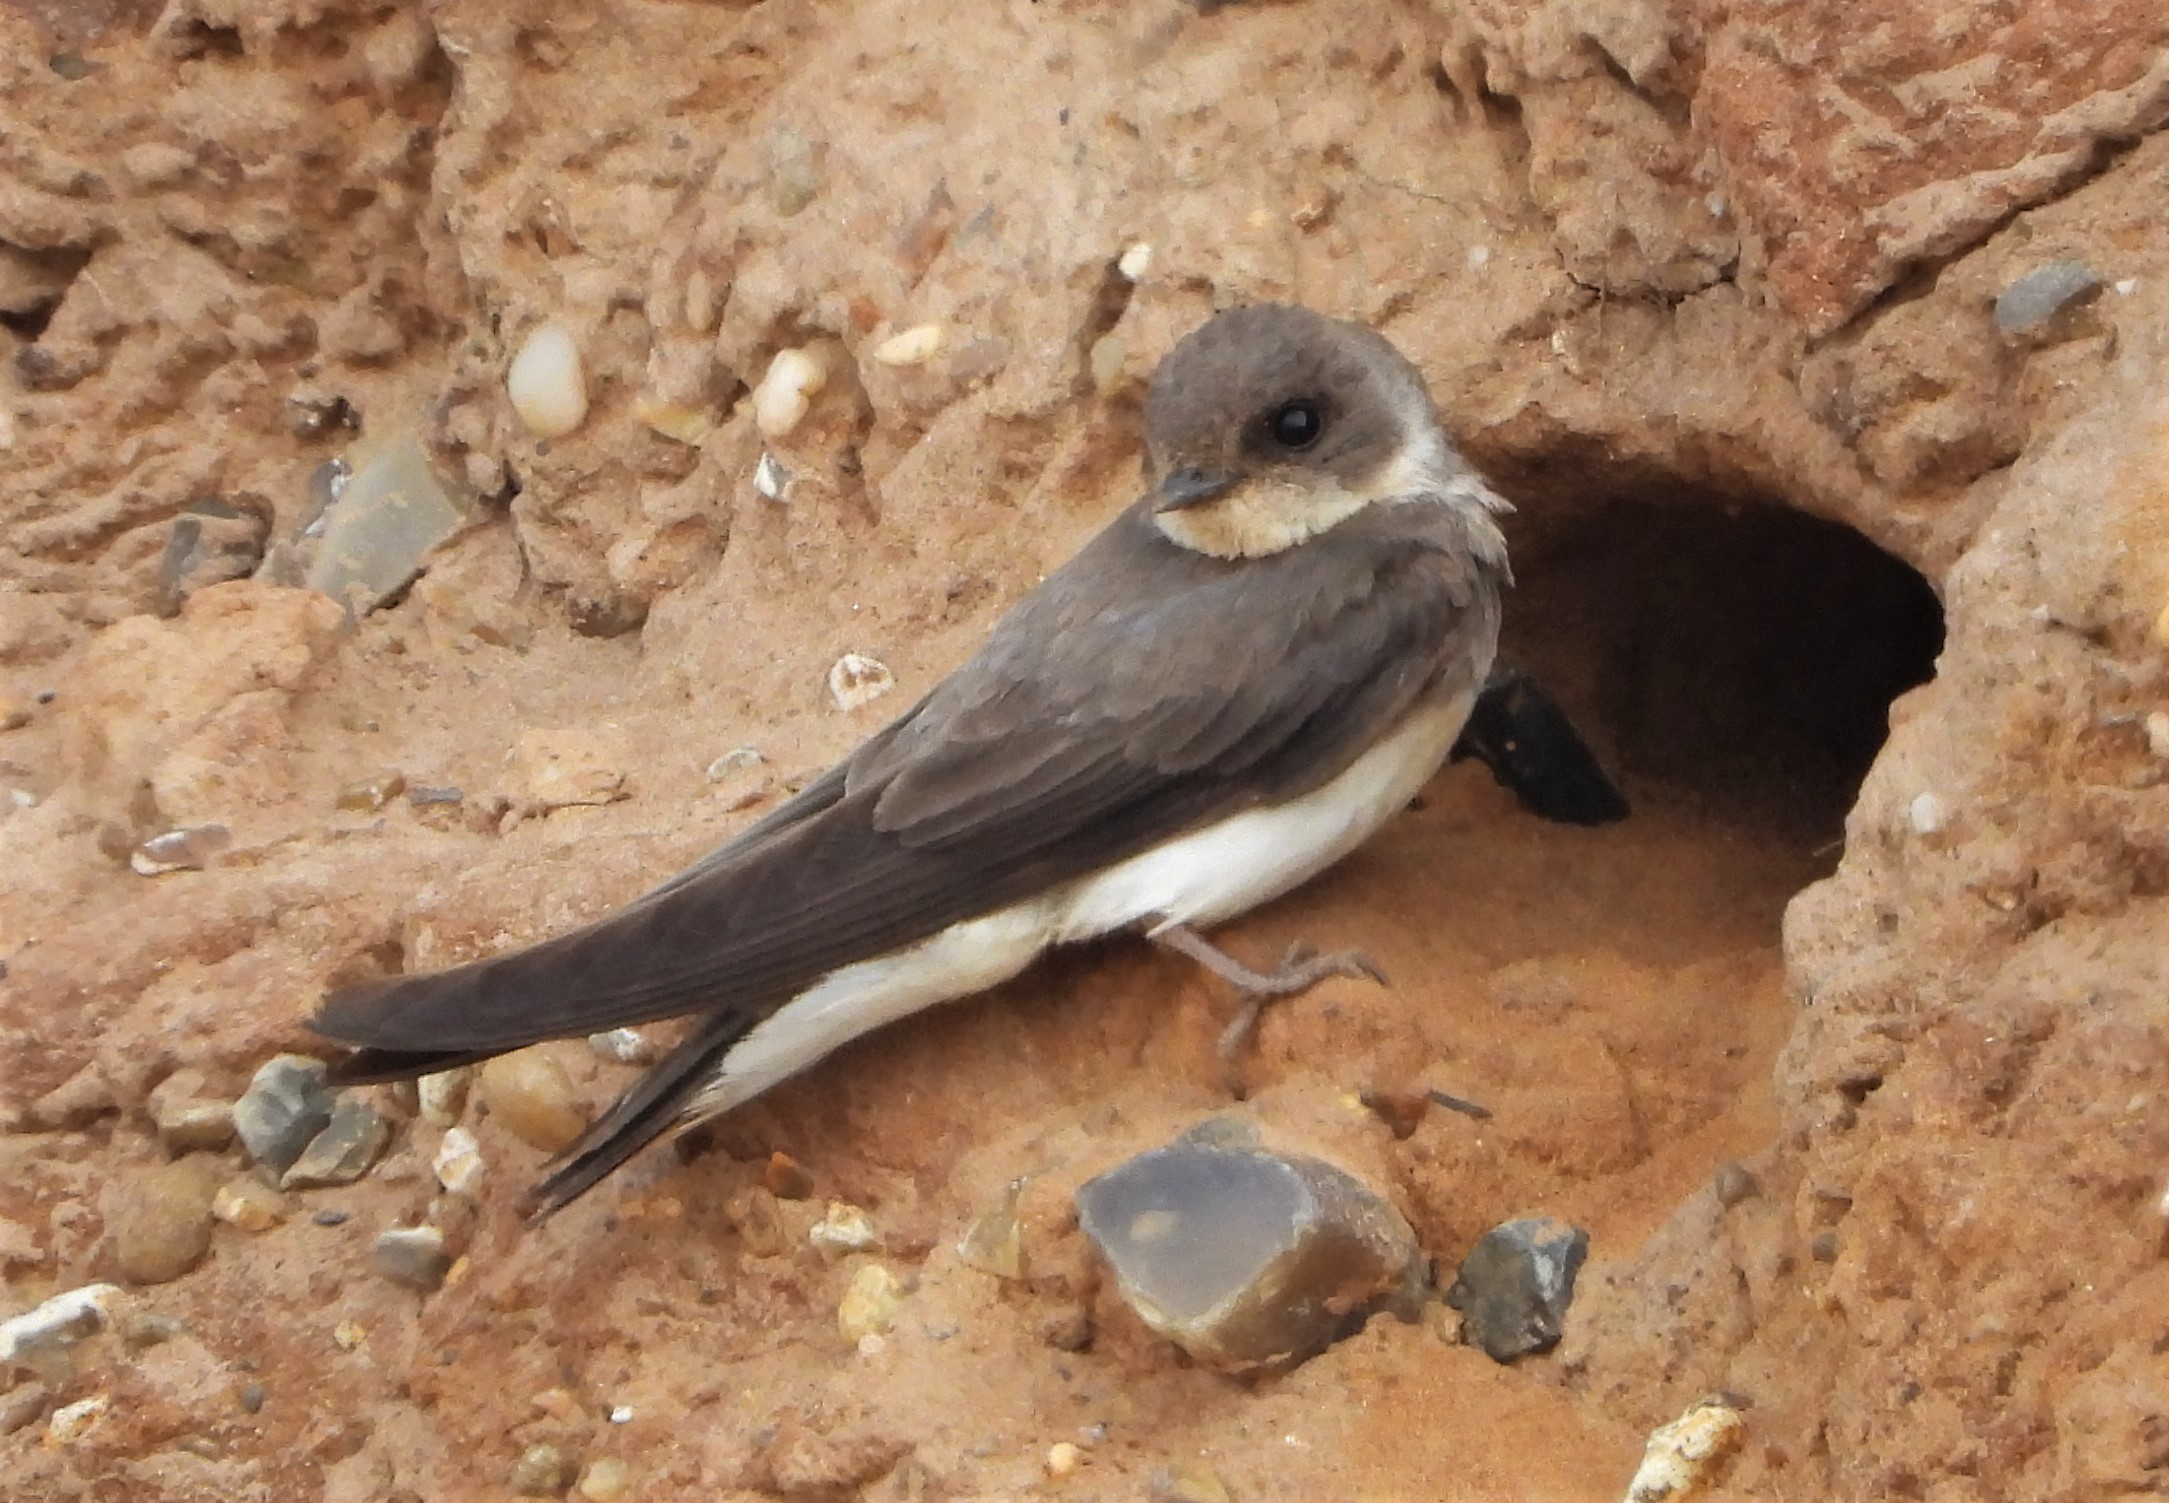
(1682, 277)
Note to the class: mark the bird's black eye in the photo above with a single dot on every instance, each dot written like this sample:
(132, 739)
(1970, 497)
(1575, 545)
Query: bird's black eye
(1296, 425)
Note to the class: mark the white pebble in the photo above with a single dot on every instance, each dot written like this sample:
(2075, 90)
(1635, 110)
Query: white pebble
(733, 762)
(2157, 734)
(1479, 257)
(781, 401)
(622, 1415)
(546, 384)
(915, 346)
(845, 1229)
(71, 1422)
(2127, 286)
(855, 680)
(458, 1162)
(39, 1336)
(1927, 814)
(624, 1046)
(1715, 203)
(1136, 262)
(699, 302)
(1678, 1454)
(870, 1304)
(1063, 1459)
(443, 1095)
(770, 478)
(22, 798)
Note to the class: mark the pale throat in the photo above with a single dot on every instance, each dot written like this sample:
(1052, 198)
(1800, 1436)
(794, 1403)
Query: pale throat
(1267, 514)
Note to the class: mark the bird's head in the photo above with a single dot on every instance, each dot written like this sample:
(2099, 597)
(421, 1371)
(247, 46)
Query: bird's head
(1267, 425)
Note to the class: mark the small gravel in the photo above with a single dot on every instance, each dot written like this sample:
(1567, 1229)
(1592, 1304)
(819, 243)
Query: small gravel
(286, 1105)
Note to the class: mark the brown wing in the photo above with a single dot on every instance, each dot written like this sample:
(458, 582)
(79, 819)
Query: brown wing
(1141, 691)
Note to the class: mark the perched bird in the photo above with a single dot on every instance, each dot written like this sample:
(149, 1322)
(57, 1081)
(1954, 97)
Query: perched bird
(1231, 687)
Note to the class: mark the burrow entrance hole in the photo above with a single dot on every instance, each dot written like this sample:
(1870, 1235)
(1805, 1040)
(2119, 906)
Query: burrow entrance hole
(1736, 654)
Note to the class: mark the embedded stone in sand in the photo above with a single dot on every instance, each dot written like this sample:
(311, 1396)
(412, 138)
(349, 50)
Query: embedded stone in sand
(546, 383)
(1245, 1257)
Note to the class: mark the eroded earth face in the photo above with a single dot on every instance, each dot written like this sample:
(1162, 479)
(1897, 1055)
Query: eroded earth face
(1655, 279)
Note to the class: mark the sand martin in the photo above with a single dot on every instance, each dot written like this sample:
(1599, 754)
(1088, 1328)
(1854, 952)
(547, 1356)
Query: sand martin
(1230, 688)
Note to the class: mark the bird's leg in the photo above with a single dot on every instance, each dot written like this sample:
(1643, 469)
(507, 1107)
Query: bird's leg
(1299, 970)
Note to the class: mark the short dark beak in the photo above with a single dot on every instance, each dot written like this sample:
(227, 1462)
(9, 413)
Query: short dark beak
(1190, 487)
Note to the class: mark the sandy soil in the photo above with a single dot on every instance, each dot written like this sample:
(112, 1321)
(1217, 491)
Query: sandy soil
(1806, 539)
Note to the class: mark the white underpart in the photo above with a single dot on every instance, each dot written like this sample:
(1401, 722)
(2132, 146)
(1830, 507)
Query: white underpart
(1205, 877)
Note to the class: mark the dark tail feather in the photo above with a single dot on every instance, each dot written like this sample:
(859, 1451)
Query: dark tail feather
(375, 1066)
(647, 1110)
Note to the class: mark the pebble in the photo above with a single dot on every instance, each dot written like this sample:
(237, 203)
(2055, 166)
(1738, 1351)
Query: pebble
(1192, 1482)
(1679, 1456)
(148, 1329)
(286, 1105)
(329, 1217)
(344, 1151)
(543, 1471)
(187, 1118)
(186, 850)
(210, 542)
(845, 1229)
(870, 1304)
(855, 681)
(565, 768)
(2161, 628)
(622, 1046)
(914, 346)
(530, 1093)
(2157, 734)
(786, 1178)
(43, 1337)
(786, 393)
(160, 1223)
(368, 795)
(1734, 1185)
(606, 1480)
(458, 1163)
(1107, 361)
(1135, 263)
(1245, 1257)
(770, 478)
(311, 413)
(738, 760)
(1063, 1459)
(250, 1205)
(1514, 1287)
(675, 421)
(621, 1414)
(392, 513)
(546, 384)
(21, 1405)
(994, 1244)
(348, 1335)
(2044, 292)
(252, 1397)
(72, 1422)
(443, 1096)
(1927, 814)
(412, 1255)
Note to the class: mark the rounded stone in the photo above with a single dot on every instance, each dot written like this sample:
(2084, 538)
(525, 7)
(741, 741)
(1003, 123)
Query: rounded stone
(530, 1093)
(161, 1222)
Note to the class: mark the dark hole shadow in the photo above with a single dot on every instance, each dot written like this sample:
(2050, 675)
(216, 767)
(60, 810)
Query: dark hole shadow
(1739, 655)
